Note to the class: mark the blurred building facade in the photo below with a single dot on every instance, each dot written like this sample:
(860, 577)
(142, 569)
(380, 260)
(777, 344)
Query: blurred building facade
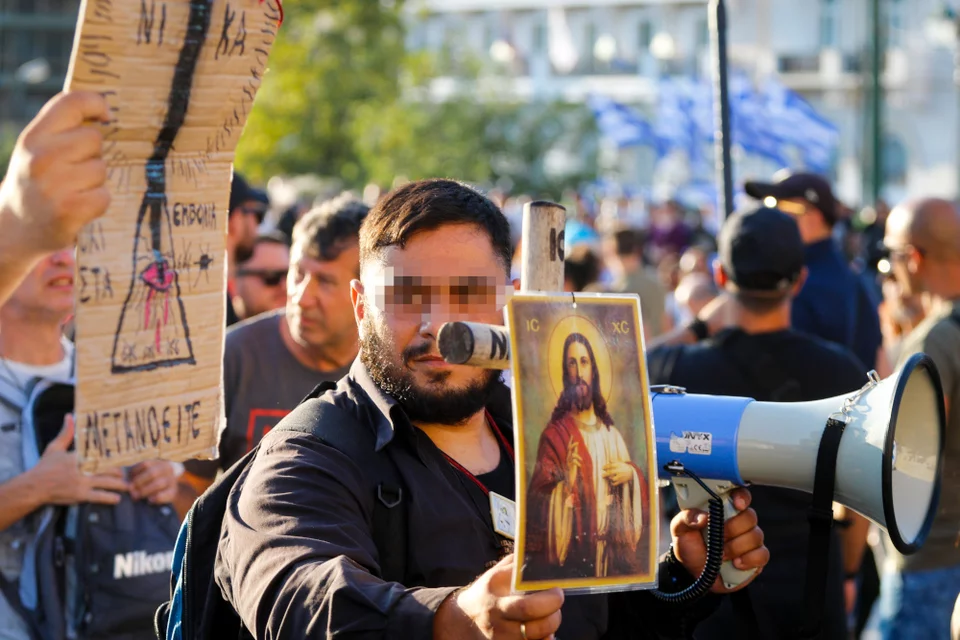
(619, 48)
(36, 37)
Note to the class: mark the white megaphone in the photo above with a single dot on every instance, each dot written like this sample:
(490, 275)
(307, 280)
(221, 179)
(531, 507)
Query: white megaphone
(887, 464)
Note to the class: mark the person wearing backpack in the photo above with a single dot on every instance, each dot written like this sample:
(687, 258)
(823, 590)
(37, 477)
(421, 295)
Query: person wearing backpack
(366, 513)
(759, 355)
(917, 592)
(34, 354)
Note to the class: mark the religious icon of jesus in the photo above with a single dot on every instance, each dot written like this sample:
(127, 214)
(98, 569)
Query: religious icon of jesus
(586, 496)
(586, 508)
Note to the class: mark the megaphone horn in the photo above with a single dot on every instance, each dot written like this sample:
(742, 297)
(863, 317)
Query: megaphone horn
(888, 461)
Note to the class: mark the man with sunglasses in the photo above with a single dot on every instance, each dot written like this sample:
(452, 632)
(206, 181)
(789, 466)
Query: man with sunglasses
(922, 239)
(273, 360)
(835, 303)
(261, 282)
(248, 206)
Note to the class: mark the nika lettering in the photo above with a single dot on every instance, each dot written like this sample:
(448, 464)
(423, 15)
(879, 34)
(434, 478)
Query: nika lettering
(188, 215)
(140, 563)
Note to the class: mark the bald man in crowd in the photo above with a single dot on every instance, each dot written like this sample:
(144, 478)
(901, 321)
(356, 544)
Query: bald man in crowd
(923, 241)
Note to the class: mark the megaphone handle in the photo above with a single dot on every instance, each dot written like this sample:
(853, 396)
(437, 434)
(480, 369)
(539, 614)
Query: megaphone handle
(691, 495)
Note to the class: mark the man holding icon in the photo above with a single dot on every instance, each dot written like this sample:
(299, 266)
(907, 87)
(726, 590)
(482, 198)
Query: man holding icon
(297, 554)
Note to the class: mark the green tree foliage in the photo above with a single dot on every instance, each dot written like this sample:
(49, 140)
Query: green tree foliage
(359, 108)
(329, 57)
(8, 140)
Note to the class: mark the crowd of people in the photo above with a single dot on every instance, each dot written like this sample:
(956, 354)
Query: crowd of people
(788, 300)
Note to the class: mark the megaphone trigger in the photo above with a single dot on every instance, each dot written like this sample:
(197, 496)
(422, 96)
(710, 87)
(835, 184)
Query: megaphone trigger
(694, 493)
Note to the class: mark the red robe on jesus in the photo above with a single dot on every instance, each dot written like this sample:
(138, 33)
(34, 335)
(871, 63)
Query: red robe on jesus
(570, 535)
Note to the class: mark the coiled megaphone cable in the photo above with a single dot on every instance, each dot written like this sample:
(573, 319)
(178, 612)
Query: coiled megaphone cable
(714, 541)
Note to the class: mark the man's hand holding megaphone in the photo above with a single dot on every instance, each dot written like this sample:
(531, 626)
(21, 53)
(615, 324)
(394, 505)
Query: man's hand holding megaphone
(742, 541)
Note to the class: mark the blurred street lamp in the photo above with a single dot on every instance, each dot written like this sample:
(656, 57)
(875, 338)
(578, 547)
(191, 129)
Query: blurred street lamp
(663, 47)
(502, 52)
(36, 71)
(30, 73)
(605, 48)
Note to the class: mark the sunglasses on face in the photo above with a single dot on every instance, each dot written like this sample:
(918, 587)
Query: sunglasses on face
(899, 254)
(269, 277)
(792, 207)
(259, 212)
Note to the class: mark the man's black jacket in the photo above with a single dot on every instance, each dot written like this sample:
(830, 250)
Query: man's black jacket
(297, 558)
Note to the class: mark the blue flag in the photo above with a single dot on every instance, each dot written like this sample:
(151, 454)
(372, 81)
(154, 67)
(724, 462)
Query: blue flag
(798, 124)
(620, 123)
(750, 123)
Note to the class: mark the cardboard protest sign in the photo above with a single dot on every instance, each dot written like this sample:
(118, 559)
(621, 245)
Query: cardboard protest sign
(180, 77)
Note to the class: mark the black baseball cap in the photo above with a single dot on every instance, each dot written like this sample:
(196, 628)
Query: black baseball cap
(807, 186)
(241, 191)
(761, 250)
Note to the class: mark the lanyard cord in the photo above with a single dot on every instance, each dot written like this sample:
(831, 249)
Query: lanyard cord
(500, 438)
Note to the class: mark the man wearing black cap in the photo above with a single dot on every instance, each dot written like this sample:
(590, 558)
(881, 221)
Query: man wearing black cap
(248, 206)
(835, 303)
(761, 256)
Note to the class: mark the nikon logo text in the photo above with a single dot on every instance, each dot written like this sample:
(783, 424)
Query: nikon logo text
(139, 563)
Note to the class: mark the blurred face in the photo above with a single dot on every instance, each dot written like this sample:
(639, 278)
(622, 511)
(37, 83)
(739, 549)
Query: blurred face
(261, 281)
(669, 272)
(906, 260)
(694, 261)
(318, 298)
(47, 292)
(402, 300)
(809, 219)
(243, 226)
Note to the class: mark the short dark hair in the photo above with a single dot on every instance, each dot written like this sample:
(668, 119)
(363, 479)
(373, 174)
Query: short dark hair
(426, 205)
(331, 227)
(629, 242)
(581, 268)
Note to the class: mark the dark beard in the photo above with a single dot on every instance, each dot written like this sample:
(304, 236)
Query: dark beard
(450, 405)
(577, 396)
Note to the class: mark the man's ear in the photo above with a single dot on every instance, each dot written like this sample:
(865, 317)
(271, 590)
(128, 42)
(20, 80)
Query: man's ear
(915, 260)
(719, 275)
(357, 300)
(516, 284)
(801, 280)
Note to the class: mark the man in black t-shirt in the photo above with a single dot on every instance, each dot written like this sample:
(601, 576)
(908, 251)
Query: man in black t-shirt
(760, 356)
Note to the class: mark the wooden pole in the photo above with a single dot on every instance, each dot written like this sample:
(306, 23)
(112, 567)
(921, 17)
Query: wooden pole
(541, 256)
(541, 269)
